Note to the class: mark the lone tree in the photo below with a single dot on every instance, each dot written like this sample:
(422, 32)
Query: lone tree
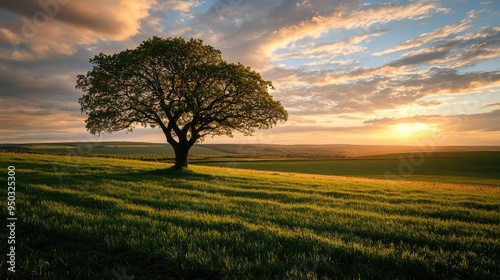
(183, 87)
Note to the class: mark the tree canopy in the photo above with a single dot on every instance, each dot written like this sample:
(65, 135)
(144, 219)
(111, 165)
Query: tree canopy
(183, 87)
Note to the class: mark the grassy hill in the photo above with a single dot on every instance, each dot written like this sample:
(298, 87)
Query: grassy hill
(103, 148)
(97, 218)
(333, 151)
(452, 164)
(452, 167)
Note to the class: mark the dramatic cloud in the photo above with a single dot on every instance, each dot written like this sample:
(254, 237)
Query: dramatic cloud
(41, 27)
(339, 67)
(438, 34)
(292, 21)
(470, 122)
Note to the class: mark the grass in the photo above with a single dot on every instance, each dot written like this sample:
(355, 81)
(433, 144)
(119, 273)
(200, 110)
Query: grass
(467, 165)
(451, 167)
(97, 218)
(104, 148)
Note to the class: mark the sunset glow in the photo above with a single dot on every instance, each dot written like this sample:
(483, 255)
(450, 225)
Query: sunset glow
(346, 71)
(411, 129)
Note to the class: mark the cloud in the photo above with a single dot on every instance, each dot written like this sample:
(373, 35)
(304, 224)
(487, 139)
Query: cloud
(317, 53)
(465, 122)
(37, 97)
(332, 49)
(290, 21)
(457, 52)
(366, 90)
(421, 57)
(480, 122)
(42, 27)
(36, 121)
(397, 83)
(438, 34)
(432, 103)
(330, 62)
(183, 6)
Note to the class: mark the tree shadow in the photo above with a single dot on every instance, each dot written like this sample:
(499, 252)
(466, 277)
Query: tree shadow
(174, 172)
(57, 174)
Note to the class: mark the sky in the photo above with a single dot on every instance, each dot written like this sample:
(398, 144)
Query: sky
(417, 72)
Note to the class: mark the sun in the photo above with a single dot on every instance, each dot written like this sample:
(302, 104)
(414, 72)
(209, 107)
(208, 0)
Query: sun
(411, 129)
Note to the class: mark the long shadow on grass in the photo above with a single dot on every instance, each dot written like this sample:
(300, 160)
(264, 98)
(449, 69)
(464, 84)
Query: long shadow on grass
(185, 182)
(188, 182)
(322, 258)
(73, 251)
(70, 254)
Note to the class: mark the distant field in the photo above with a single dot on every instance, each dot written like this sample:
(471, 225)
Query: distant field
(97, 218)
(335, 150)
(104, 148)
(468, 165)
(453, 167)
(250, 150)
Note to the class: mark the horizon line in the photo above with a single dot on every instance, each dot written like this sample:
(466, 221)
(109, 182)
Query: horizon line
(269, 144)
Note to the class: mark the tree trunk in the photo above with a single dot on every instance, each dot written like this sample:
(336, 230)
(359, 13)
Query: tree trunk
(181, 156)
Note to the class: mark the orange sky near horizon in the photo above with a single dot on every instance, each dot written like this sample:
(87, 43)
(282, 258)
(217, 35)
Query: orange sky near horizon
(398, 72)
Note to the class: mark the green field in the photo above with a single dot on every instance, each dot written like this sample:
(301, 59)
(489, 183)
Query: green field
(452, 167)
(97, 218)
(451, 164)
(104, 148)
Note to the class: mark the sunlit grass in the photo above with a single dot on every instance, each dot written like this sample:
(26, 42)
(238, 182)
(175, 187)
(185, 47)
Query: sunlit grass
(93, 218)
(464, 167)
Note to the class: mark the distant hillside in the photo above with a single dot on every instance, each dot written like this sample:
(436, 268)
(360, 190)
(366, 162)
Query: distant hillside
(250, 150)
(105, 148)
(335, 150)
